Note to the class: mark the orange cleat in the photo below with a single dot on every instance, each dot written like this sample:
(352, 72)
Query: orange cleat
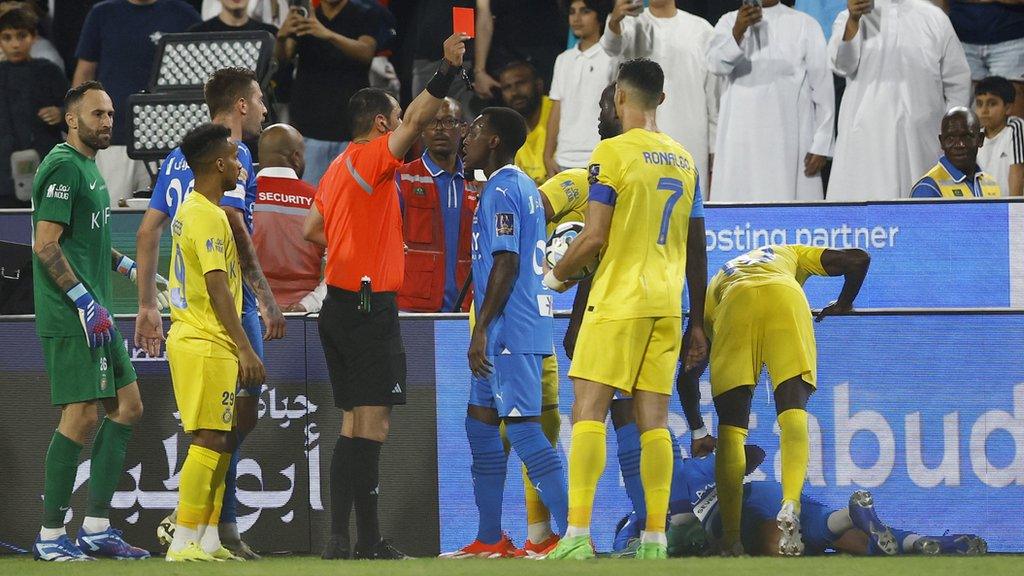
(540, 550)
(503, 548)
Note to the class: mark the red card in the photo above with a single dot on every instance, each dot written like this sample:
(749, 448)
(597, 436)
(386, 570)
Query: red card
(463, 21)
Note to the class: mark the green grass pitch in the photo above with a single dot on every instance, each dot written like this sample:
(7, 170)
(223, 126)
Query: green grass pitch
(993, 565)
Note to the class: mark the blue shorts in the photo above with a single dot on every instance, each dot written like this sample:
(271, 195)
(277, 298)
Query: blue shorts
(762, 502)
(513, 388)
(254, 331)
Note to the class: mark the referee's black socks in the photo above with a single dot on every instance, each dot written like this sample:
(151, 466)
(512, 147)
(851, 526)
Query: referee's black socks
(365, 480)
(341, 485)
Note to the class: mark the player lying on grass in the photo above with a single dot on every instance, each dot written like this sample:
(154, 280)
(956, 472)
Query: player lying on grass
(855, 529)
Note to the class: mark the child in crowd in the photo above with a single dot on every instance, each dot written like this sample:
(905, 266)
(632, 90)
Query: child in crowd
(1002, 154)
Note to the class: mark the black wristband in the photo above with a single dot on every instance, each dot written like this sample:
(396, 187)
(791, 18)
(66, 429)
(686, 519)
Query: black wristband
(442, 80)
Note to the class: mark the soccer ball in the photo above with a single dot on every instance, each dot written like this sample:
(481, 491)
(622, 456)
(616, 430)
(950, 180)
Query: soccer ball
(558, 243)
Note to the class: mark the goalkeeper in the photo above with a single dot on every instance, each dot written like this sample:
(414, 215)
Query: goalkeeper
(85, 355)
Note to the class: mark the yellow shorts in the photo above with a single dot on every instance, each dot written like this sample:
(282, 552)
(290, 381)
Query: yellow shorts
(204, 387)
(632, 354)
(549, 381)
(762, 325)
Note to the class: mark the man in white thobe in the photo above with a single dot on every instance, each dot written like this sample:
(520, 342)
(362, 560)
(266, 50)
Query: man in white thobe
(778, 104)
(904, 67)
(678, 41)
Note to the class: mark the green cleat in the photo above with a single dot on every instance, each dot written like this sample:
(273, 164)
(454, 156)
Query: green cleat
(652, 551)
(576, 548)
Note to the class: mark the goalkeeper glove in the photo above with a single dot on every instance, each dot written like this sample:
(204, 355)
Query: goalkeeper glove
(129, 268)
(96, 321)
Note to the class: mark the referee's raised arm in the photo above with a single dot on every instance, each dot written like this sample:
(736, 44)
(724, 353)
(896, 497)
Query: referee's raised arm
(424, 107)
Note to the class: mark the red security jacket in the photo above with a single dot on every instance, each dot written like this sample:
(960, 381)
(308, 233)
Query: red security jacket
(423, 229)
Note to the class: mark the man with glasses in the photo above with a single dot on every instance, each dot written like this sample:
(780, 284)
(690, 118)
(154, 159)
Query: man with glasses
(438, 205)
(957, 174)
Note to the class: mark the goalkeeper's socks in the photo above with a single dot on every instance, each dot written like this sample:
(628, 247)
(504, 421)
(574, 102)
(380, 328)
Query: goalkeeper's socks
(108, 453)
(628, 438)
(366, 489)
(489, 468)
(61, 467)
(544, 466)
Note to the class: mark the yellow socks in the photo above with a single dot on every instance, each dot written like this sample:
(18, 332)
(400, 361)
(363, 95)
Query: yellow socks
(217, 487)
(656, 475)
(795, 446)
(536, 512)
(195, 486)
(586, 464)
(730, 464)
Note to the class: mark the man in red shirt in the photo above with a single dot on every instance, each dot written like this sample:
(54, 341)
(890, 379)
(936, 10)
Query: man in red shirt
(291, 263)
(356, 216)
(438, 205)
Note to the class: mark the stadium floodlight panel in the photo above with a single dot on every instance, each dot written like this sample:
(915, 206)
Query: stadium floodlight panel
(160, 121)
(186, 61)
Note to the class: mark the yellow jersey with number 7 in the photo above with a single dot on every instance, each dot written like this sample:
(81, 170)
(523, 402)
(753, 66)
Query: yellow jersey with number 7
(651, 182)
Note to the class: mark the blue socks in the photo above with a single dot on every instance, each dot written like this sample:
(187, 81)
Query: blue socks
(901, 536)
(679, 496)
(628, 438)
(543, 466)
(489, 468)
(229, 506)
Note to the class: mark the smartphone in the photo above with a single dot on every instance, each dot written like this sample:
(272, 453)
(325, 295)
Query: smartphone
(752, 3)
(301, 5)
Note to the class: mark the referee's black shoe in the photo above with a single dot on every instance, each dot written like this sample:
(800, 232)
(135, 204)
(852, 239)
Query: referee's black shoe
(382, 550)
(338, 548)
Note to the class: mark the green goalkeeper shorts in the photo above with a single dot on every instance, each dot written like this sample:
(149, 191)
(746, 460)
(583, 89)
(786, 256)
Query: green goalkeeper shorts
(79, 373)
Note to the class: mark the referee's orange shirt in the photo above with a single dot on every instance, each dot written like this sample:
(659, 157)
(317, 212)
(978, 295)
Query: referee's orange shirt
(358, 200)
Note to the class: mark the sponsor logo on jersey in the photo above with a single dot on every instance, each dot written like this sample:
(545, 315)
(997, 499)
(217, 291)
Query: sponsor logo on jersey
(58, 191)
(504, 224)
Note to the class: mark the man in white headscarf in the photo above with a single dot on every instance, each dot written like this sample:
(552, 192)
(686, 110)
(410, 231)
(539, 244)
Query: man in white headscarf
(776, 116)
(904, 68)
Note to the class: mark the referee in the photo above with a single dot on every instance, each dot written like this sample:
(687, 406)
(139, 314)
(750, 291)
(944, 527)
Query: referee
(357, 217)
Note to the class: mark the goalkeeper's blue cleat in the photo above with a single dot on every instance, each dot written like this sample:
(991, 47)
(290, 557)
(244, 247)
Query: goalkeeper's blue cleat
(952, 544)
(880, 538)
(109, 544)
(59, 550)
(628, 529)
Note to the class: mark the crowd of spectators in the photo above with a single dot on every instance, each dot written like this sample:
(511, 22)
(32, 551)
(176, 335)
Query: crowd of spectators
(803, 100)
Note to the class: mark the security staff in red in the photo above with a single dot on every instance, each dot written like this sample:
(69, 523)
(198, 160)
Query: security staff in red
(438, 205)
(356, 216)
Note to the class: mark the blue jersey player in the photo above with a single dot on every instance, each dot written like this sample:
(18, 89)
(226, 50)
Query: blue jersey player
(855, 529)
(512, 333)
(235, 101)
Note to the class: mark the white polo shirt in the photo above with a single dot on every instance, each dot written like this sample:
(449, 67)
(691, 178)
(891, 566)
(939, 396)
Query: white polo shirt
(578, 81)
(997, 154)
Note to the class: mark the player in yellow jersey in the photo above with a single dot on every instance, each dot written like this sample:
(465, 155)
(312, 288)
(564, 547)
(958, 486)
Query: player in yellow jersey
(207, 348)
(757, 314)
(645, 216)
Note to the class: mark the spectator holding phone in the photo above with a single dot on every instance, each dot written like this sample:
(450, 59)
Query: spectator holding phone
(904, 67)
(678, 41)
(777, 84)
(334, 45)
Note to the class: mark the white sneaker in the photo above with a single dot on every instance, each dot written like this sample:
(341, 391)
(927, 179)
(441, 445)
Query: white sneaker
(790, 541)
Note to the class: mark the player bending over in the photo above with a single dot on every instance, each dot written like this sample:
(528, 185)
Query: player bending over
(511, 335)
(757, 314)
(207, 349)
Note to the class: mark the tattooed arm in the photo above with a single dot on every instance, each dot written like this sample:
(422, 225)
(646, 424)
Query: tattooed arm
(252, 273)
(47, 248)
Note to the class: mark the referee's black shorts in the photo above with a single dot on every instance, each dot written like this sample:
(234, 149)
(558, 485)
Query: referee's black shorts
(364, 351)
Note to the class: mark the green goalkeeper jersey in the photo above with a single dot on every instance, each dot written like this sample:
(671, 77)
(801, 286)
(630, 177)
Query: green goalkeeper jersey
(69, 190)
